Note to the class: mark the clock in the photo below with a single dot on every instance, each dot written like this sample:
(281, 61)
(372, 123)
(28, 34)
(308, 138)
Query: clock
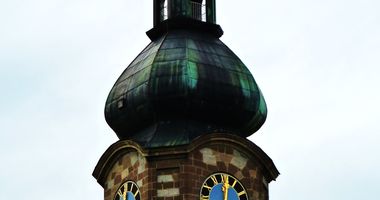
(222, 186)
(128, 191)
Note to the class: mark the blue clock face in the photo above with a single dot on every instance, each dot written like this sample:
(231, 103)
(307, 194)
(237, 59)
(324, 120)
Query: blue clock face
(221, 186)
(128, 191)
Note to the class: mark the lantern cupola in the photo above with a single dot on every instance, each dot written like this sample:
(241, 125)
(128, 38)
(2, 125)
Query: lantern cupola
(202, 10)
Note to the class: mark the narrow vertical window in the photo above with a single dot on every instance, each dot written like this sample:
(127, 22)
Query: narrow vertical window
(163, 10)
(204, 16)
(166, 10)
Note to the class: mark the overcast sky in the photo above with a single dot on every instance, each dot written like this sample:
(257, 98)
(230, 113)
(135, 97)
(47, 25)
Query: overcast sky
(317, 63)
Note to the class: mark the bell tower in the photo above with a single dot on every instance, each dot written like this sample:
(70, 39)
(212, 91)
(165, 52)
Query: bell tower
(182, 110)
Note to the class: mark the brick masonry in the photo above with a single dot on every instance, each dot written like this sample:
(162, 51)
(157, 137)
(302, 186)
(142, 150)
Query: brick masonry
(130, 166)
(178, 173)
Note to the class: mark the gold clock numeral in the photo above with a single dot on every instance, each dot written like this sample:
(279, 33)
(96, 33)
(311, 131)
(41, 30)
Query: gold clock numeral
(233, 184)
(206, 186)
(225, 178)
(213, 178)
(136, 193)
(205, 197)
(119, 193)
(241, 193)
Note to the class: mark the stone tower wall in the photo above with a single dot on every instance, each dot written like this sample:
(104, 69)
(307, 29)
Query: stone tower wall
(178, 173)
(130, 166)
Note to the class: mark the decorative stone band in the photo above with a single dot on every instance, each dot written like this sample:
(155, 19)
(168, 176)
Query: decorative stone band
(178, 172)
(123, 146)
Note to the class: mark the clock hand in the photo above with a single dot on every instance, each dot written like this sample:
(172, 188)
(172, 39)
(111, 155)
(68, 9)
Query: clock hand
(125, 194)
(225, 190)
(225, 187)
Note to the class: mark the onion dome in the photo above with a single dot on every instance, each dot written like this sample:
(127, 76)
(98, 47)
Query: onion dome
(184, 84)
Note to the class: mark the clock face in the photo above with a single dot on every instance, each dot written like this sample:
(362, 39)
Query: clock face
(128, 191)
(221, 186)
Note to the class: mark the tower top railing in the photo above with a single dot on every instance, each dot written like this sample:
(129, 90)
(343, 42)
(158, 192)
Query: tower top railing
(198, 10)
(202, 10)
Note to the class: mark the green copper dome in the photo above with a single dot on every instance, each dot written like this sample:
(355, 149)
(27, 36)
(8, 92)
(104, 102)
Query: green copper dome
(184, 84)
(188, 84)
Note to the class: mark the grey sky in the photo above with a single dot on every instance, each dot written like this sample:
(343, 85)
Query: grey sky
(317, 63)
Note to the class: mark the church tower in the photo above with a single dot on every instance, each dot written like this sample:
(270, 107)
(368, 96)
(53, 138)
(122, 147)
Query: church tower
(182, 111)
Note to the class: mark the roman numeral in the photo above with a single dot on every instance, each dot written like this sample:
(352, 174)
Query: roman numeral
(225, 178)
(213, 178)
(233, 184)
(125, 194)
(241, 193)
(206, 186)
